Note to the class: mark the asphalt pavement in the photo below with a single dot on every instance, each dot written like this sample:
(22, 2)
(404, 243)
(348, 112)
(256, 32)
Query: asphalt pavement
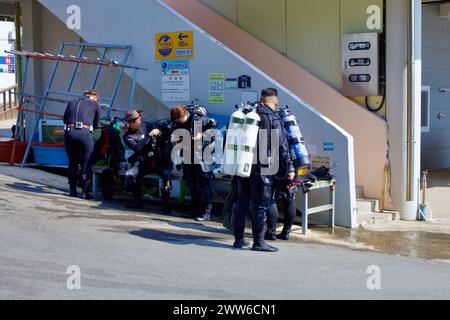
(50, 244)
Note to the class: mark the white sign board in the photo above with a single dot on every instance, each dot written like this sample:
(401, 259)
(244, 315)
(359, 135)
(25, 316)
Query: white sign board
(176, 88)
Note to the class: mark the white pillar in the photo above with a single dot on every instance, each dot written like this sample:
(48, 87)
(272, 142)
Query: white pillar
(31, 30)
(31, 42)
(418, 98)
(396, 98)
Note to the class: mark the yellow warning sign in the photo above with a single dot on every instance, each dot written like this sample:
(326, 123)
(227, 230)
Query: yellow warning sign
(174, 45)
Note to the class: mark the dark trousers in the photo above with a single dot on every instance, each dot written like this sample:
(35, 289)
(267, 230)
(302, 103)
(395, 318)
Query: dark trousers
(199, 183)
(290, 211)
(255, 196)
(79, 148)
(135, 174)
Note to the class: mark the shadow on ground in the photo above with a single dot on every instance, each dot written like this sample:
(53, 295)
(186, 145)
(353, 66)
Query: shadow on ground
(179, 239)
(26, 187)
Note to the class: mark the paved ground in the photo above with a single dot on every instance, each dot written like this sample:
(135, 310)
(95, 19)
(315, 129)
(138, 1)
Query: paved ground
(138, 255)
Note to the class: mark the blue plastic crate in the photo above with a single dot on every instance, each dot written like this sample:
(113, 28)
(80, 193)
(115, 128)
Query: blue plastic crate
(50, 156)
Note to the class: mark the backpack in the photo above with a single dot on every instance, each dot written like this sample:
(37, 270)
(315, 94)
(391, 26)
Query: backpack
(266, 123)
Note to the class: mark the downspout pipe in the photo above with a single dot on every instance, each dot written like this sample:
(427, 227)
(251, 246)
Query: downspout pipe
(403, 78)
(411, 101)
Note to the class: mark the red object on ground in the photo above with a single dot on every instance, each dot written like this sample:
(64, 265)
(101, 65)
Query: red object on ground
(6, 150)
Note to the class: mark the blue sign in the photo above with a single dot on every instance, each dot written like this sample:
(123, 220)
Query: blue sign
(175, 67)
(328, 146)
(7, 59)
(244, 82)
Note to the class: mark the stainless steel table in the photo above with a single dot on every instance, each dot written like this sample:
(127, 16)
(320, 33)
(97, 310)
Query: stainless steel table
(306, 211)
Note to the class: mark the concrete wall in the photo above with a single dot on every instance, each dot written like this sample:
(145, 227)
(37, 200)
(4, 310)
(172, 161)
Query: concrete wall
(307, 31)
(145, 18)
(436, 73)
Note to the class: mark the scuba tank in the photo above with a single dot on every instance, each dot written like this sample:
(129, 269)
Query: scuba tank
(215, 163)
(247, 143)
(234, 131)
(197, 108)
(297, 147)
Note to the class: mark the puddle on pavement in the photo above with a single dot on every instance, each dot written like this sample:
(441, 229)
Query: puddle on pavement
(417, 244)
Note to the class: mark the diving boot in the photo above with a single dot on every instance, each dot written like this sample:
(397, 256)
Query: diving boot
(284, 235)
(166, 201)
(241, 244)
(85, 192)
(73, 190)
(270, 236)
(263, 247)
(204, 217)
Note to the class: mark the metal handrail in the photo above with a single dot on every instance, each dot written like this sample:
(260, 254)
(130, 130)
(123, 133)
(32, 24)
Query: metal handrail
(11, 102)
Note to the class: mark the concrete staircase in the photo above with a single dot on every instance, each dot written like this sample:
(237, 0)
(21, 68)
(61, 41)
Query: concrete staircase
(368, 210)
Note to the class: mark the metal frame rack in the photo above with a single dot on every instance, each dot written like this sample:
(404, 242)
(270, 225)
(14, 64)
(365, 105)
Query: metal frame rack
(100, 62)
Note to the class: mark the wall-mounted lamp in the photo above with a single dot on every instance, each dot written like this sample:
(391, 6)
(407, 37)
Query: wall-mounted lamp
(444, 90)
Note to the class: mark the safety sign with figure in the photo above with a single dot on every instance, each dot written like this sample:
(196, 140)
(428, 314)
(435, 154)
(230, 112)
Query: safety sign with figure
(174, 45)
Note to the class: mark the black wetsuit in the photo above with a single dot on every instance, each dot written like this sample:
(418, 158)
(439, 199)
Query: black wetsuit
(78, 140)
(290, 211)
(258, 193)
(151, 155)
(199, 181)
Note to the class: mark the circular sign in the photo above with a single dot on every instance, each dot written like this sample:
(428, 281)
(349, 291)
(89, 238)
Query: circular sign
(165, 45)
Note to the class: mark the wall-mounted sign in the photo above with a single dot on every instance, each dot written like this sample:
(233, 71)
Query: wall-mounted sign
(244, 82)
(359, 62)
(357, 46)
(231, 83)
(328, 146)
(174, 45)
(359, 78)
(7, 60)
(10, 68)
(176, 88)
(175, 67)
(216, 88)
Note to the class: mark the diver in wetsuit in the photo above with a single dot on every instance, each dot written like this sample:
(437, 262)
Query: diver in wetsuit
(81, 118)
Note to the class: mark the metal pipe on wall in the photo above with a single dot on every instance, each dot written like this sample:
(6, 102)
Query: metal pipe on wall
(403, 102)
(410, 130)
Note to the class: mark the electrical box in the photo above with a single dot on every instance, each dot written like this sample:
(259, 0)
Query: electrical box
(360, 66)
